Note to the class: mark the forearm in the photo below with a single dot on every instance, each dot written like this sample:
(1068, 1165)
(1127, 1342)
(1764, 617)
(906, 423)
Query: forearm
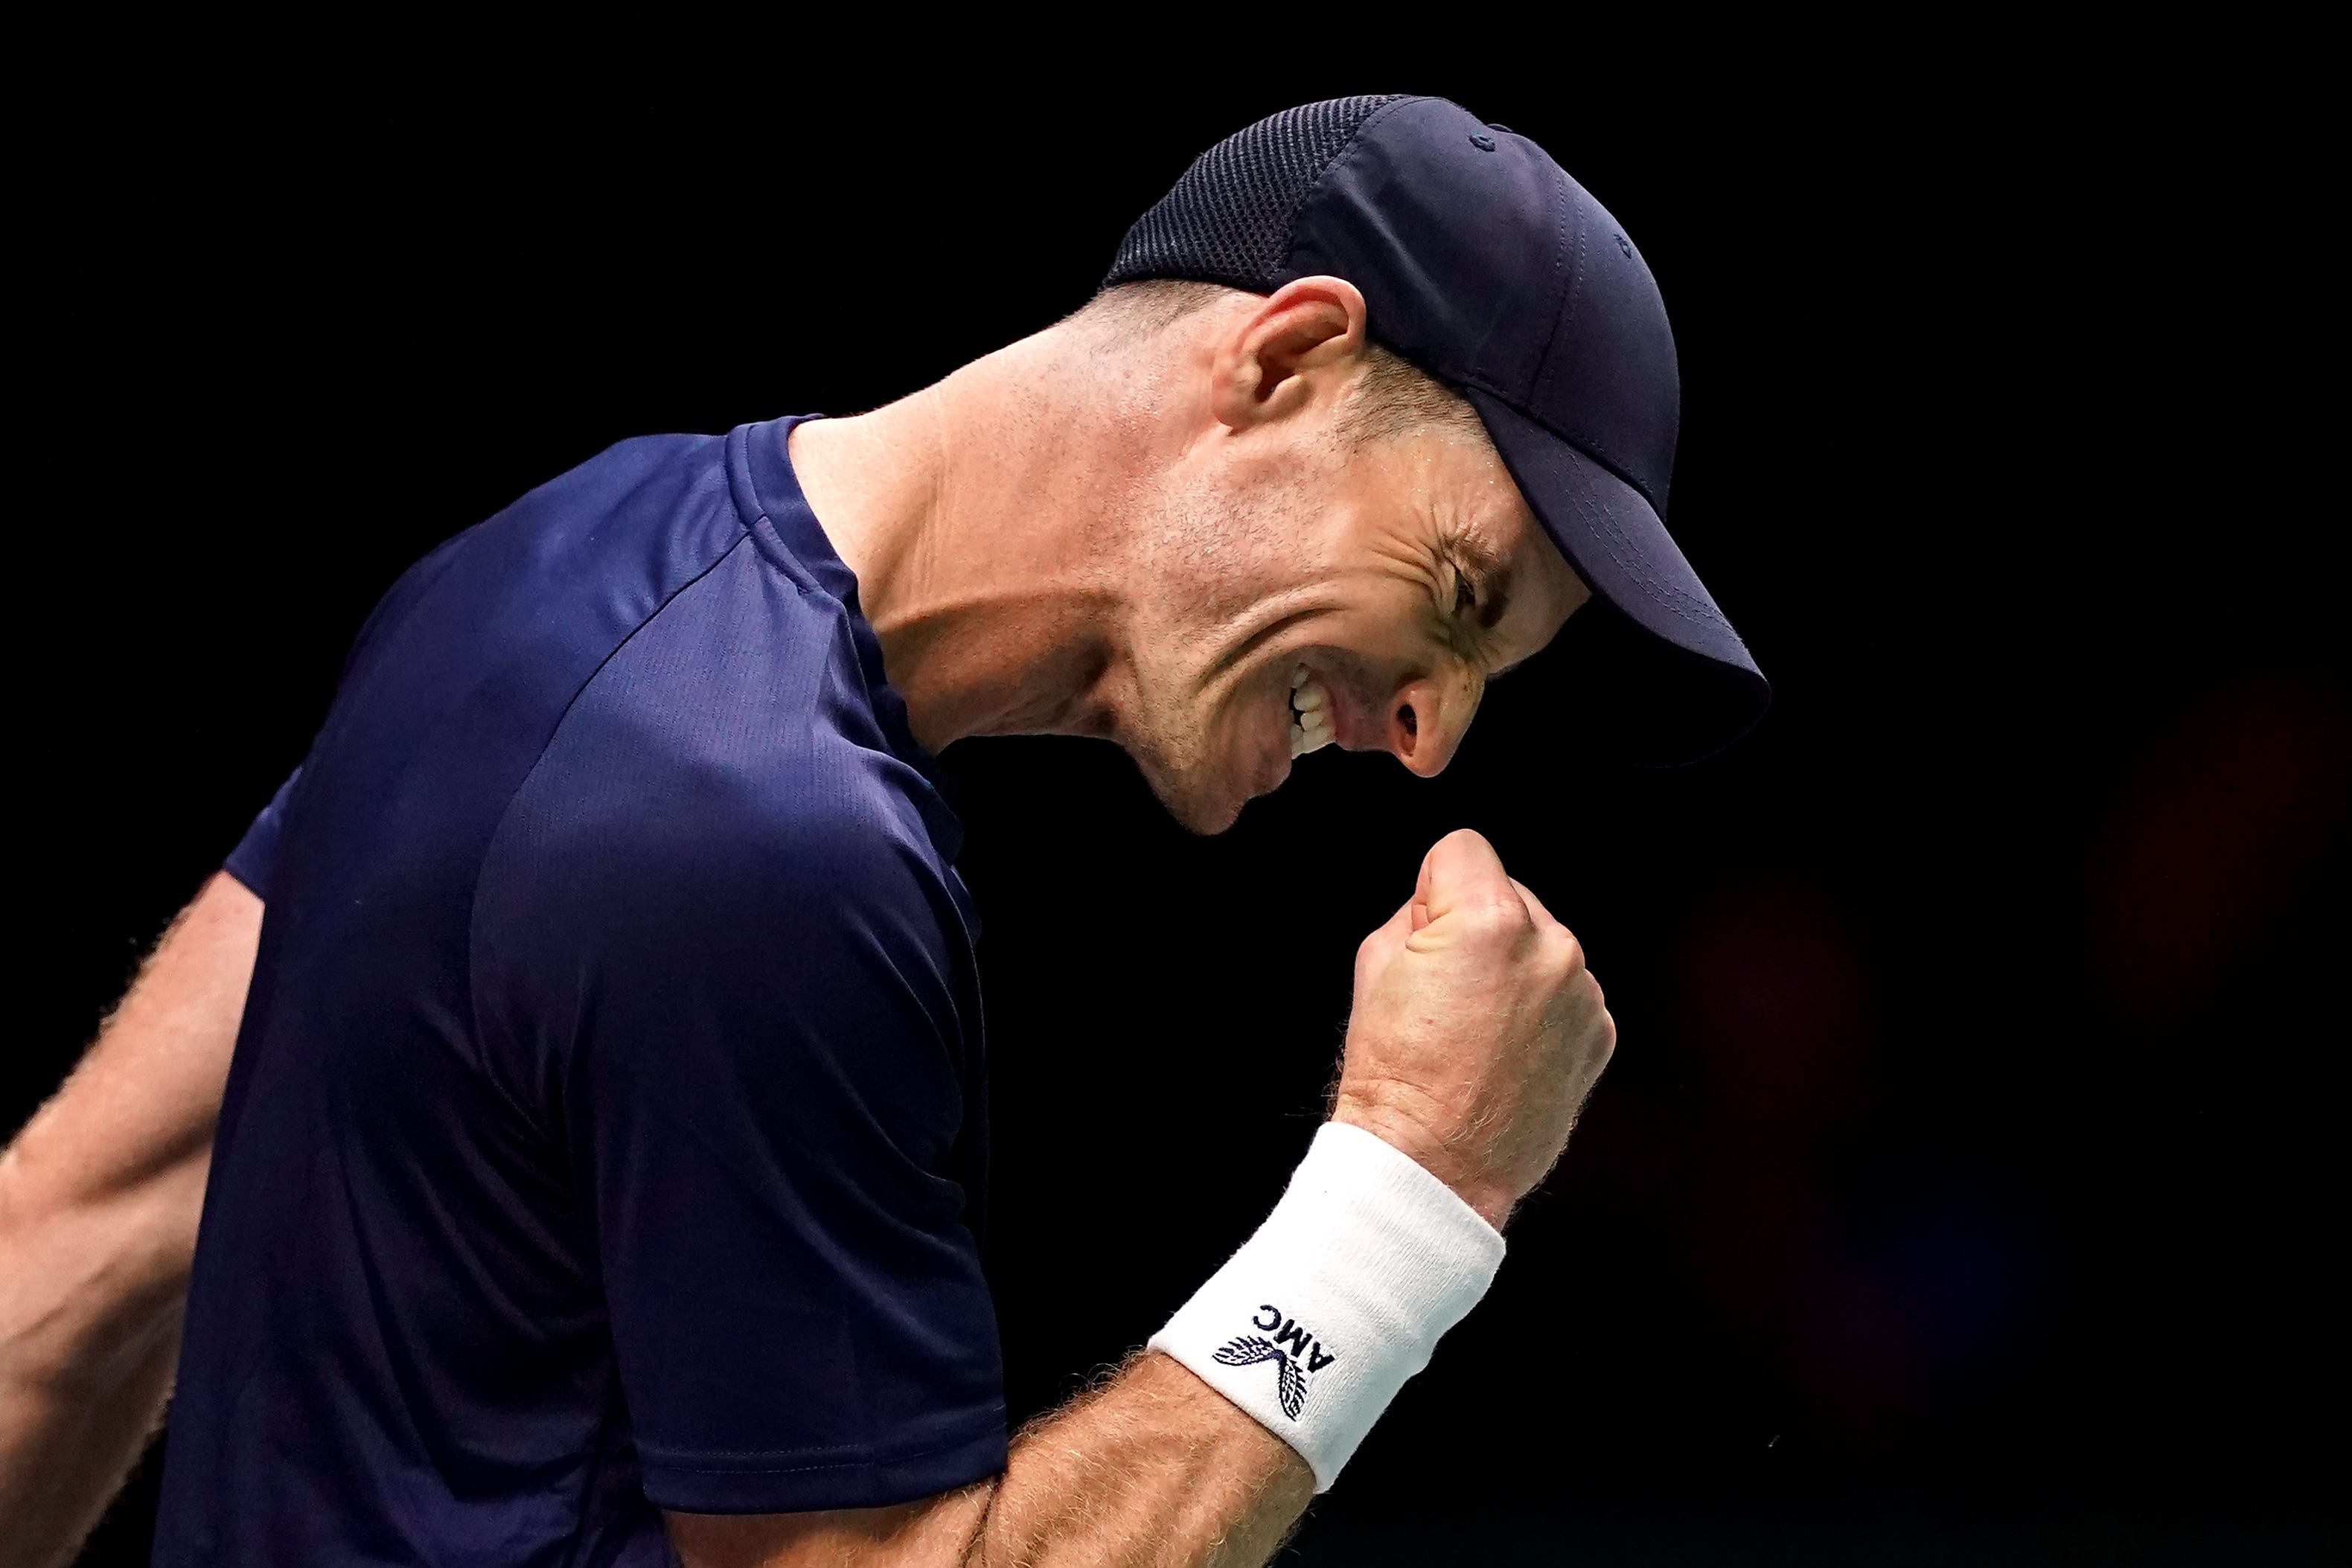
(1153, 1468)
(99, 1196)
(90, 1298)
(1206, 1449)
(70, 1437)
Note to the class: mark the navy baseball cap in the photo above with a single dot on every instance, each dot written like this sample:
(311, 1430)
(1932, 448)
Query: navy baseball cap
(1482, 262)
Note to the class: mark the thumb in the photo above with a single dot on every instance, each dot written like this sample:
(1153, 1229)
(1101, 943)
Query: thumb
(1461, 871)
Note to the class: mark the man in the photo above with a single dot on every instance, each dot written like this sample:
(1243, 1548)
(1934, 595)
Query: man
(602, 1166)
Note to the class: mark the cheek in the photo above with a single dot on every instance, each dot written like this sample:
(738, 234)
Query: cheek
(1255, 529)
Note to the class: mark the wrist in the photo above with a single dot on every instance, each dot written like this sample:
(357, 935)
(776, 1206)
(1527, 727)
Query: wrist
(1316, 1322)
(1407, 1128)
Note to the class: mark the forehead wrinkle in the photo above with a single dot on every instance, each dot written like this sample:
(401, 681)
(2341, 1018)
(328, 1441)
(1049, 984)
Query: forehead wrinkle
(1417, 549)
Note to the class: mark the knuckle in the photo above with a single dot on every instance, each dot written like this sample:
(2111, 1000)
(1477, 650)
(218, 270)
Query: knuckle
(1571, 954)
(1494, 917)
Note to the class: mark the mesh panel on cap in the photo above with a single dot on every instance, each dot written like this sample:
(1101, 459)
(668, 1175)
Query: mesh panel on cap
(1227, 220)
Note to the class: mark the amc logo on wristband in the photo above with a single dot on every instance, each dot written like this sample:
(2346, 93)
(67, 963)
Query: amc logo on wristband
(1292, 1367)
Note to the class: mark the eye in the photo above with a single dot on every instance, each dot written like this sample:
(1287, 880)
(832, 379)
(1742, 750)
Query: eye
(1466, 593)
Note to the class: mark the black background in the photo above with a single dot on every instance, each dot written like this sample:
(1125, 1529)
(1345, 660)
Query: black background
(1969, 1176)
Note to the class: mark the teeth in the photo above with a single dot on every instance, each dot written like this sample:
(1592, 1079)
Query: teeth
(1310, 713)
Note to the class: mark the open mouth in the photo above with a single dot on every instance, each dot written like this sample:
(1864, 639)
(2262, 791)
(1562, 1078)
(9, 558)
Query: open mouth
(1311, 725)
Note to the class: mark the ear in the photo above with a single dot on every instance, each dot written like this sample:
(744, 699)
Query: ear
(1297, 345)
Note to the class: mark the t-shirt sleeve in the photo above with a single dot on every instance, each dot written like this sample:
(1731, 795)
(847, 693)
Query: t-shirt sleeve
(256, 855)
(747, 1028)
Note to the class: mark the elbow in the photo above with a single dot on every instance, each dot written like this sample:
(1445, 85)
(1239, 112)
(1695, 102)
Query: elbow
(93, 1292)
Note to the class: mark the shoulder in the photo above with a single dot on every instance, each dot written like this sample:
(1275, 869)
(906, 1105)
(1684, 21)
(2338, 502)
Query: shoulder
(671, 904)
(717, 772)
(626, 822)
(706, 896)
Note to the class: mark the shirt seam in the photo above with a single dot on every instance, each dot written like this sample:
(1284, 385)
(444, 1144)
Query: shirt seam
(505, 811)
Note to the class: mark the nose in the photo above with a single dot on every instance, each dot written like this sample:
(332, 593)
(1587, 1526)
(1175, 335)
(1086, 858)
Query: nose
(1426, 722)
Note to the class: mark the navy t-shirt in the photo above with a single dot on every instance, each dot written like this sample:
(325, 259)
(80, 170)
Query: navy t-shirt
(606, 1130)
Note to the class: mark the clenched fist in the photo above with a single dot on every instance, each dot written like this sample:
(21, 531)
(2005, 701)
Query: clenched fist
(1478, 1030)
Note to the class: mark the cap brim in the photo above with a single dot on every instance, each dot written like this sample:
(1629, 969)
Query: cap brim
(1671, 681)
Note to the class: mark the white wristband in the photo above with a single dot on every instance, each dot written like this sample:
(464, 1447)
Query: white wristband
(1317, 1320)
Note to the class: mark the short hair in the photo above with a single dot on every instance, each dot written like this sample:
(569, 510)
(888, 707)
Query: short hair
(1394, 398)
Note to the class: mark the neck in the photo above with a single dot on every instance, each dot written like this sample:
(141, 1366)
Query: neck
(982, 519)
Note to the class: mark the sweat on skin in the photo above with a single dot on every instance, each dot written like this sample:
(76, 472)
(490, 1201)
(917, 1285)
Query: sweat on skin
(1165, 542)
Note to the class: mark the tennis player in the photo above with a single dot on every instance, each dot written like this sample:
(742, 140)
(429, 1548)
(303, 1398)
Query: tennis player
(600, 1172)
